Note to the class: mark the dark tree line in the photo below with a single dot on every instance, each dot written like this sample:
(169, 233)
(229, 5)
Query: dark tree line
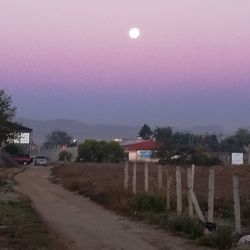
(188, 148)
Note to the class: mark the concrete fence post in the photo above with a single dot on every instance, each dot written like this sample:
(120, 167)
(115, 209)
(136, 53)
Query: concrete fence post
(160, 177)
(126, 175)
(146, 177)
(178, 190)
(211, 195)
(134, 178)
(168, 194)
(236, 196)
(190, 188)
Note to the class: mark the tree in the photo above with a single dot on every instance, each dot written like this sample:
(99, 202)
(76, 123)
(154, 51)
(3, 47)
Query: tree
(102, 151)
(164, 137)
(89, 151)
(114, 151)
(237, 142)
(7, 113)
(145, 132)
(57, 137)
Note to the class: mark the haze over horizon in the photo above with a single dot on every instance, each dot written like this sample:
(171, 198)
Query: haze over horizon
(190, 66)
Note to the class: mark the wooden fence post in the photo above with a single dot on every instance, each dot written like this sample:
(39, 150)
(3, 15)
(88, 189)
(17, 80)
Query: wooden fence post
(210, 217)
(159, 177)
(169, 183)
(134, 178)
(126, 175)
(146, 177)
(236, 197)
(190, 188)
(178, 190)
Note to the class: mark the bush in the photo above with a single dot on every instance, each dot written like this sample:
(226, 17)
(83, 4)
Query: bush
(161, 219)
(146, 203)
(100, 151)
(222, 238)
(113, 199)
(190, 226)
(65, 155)
(203, 159)
(245, 212)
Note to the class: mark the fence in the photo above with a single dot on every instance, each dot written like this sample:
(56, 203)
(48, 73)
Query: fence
(179, 189)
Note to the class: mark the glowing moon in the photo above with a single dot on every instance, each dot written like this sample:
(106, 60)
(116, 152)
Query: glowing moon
(134, 33)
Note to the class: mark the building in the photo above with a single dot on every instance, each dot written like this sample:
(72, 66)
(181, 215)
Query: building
(140, 150)
(22, 138)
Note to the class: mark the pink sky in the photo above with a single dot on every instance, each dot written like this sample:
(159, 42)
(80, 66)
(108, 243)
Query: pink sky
(188, 49)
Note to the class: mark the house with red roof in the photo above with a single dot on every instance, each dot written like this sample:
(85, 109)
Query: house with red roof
(140, 150)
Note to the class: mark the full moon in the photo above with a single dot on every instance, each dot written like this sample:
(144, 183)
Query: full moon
(134, 33)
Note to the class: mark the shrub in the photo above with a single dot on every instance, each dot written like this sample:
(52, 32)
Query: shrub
(203, 159)
(100, 151)
(113, 199)
(245, 211)
(222, 238)
(65, 155)
(146, 203)
(190, 226)
(160, 219)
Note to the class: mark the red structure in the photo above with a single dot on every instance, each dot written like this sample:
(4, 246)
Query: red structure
(140, 150)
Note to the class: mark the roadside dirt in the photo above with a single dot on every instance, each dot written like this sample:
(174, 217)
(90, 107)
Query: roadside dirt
(81, 224)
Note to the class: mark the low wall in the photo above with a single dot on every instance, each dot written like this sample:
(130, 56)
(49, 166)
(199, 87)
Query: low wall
(53, 153)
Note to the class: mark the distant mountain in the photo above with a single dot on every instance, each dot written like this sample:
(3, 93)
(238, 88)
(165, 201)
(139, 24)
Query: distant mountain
(82, 131)
(78, 130)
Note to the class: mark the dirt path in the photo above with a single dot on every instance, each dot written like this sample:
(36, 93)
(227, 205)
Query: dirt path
(82, 224)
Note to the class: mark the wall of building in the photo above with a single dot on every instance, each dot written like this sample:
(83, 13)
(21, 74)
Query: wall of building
(132, 156)
(53, 153)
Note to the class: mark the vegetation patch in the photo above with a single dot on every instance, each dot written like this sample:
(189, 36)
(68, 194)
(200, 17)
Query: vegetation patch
(103, 183)
(222, 238)
(146, 203)
(191, 227)
(20, 226)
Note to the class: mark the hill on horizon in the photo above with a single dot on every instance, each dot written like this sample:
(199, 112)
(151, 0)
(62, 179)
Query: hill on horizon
(78, 130)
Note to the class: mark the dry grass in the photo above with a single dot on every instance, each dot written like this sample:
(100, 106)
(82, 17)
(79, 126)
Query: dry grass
(105, 175)
(103, 183)
(89, 178)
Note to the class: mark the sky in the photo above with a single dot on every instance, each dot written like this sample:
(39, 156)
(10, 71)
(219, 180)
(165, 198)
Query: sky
(74, 59)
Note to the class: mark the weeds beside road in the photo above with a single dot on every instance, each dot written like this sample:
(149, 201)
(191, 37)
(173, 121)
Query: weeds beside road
(20, 226)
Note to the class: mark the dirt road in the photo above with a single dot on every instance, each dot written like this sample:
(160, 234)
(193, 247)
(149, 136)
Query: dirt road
(81, 224)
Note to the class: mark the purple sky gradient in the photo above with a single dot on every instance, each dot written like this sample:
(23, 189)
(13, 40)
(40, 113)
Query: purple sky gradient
(74, 59)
